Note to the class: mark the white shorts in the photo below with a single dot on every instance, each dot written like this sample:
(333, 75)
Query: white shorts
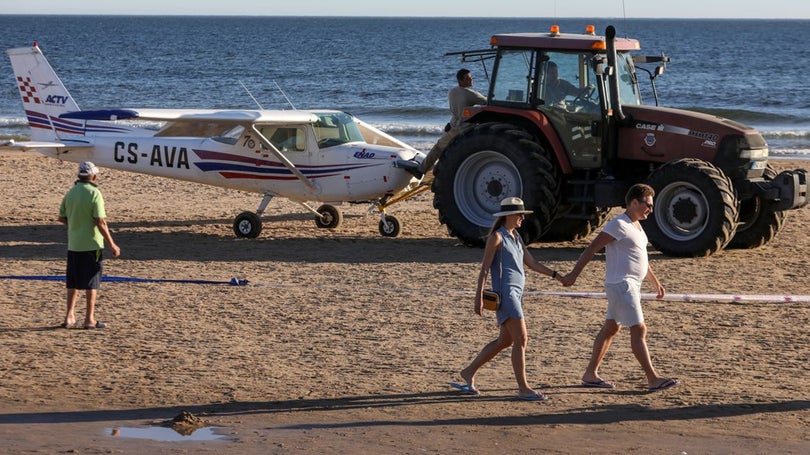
(624, 303)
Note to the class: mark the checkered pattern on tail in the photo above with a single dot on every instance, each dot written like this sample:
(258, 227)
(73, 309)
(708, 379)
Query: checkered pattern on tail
(29, 92)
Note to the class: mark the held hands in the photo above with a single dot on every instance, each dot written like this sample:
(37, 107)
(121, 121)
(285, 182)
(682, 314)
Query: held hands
(660, 291)
(568, 280)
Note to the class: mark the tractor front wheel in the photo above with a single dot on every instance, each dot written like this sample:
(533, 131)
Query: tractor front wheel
(758, 221)
(695, 210)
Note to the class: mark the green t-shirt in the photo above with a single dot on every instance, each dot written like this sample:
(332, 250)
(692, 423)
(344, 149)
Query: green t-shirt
(81, 205)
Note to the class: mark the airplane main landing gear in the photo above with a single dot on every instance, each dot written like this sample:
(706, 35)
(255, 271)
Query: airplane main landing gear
(329, 217)
(247, 224)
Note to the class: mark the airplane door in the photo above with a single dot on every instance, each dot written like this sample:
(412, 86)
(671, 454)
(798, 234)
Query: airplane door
(289, 140)
(287, 169)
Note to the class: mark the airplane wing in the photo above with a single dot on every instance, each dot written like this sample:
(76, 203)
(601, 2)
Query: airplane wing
(24, 146)
(196, 122)
(374, 136)
(224, 116)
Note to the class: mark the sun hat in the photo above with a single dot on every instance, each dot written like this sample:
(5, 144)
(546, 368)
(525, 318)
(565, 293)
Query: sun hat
(87, 169)
(512, 206)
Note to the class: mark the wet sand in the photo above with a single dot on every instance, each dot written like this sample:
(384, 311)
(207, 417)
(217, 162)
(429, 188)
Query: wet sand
(346, 341)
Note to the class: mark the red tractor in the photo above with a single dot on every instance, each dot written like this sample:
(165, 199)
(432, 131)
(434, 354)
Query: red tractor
(571, 150)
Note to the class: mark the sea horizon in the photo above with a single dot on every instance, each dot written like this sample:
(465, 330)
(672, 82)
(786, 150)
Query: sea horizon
(392, 72)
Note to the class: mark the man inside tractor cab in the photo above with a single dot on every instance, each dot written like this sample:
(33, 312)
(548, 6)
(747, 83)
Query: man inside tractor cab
(557, 89)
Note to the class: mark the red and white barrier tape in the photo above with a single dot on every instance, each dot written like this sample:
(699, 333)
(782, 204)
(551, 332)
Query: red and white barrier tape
(763, 298)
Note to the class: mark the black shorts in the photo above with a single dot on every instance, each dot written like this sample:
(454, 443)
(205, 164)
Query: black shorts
(83, 270)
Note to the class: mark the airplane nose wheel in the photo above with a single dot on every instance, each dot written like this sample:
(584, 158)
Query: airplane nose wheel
(247, 224)
(330, 218)
(389, 226)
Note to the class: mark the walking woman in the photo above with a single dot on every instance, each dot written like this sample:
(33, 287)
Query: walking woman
(504, 257)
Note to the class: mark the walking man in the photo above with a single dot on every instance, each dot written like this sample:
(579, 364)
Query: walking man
(626, 266)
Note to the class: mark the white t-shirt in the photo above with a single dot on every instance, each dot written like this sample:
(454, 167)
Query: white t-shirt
(626, 257)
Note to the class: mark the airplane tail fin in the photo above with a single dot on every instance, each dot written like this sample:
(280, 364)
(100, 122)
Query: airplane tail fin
(44, 96)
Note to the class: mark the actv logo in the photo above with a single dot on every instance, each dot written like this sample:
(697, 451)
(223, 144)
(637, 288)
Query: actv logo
(56, 99)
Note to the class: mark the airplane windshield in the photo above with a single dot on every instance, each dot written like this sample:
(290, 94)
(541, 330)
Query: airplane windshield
(336, 128)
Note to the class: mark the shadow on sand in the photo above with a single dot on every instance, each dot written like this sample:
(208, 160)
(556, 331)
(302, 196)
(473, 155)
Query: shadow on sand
(584, 416)
(48, 242)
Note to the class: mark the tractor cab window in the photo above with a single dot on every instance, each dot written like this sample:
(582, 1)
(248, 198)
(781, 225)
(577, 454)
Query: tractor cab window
(567, 81)
(569, 97)
(513, 80)
(336, 128)
(628, 88)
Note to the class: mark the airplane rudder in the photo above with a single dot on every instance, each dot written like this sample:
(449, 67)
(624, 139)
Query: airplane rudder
(43, 94)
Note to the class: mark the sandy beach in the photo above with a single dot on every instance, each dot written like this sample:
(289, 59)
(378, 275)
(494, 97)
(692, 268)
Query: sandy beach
(345, 341)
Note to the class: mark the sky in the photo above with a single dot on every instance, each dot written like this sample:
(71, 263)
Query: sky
(749, 9)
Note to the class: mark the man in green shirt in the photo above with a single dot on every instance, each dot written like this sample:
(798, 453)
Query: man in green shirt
(82, 210)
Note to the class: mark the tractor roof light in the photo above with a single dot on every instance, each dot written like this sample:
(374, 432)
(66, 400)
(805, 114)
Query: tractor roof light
(599, 46)
(590, 30)
(555, 30)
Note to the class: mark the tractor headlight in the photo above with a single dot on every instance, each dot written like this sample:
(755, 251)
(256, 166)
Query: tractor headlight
(755, 154)
(758, 165)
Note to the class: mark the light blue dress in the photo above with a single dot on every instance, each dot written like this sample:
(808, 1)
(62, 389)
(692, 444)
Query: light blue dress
(508, 277)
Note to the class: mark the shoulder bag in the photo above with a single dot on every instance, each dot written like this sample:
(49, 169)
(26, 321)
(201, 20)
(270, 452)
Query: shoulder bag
(492, 298)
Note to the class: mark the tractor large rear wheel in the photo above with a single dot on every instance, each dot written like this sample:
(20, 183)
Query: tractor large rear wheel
(486, 164)
(758, 221)
(695, 209)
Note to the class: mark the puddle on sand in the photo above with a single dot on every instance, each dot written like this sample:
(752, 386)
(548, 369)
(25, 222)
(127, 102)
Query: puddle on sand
(165, 434)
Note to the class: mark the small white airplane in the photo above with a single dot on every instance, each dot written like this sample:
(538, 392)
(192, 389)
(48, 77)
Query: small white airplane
(321, 155)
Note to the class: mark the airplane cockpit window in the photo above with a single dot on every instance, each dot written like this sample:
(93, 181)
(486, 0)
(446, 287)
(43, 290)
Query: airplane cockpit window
(286, 138)
(336, 128)
(231, 135)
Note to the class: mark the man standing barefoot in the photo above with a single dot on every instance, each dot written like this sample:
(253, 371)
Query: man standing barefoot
(82, 210)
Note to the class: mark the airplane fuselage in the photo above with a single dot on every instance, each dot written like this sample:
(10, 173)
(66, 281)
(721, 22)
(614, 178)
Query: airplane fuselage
(348, 172)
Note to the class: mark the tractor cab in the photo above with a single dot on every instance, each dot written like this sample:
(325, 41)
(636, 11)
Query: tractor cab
(566, 78)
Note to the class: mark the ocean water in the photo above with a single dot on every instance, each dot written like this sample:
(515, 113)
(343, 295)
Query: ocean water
(392, 72)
